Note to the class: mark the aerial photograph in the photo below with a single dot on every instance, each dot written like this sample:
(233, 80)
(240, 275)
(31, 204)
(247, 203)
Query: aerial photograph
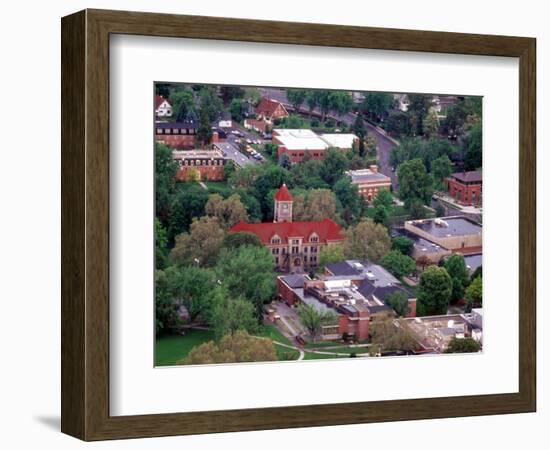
(297, 224)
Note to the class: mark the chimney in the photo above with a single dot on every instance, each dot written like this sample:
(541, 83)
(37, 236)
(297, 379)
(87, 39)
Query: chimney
(374, 168)
(215, 137)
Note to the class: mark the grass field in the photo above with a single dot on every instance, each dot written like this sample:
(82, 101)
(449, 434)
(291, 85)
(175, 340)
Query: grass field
(172, 348)
(309, 356)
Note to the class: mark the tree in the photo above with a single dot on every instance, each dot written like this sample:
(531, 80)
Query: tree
(359, 128)
(391, 335)
(161, 242)
(284, 161)
(239, 347)
(350, 201)
(330, 254)
(201, 245)
(293, 121)
(210, 103)
(414, 182)
(237, 108)
(230, 93)
(228, 212)
(398, 263)
(371, 146)
(313, 319)
(239, 239)
(204, 132)
(231, 315)
(474, 149)
(320, 205)
(366, 240)
(380, 214)
(456, 268)
(463, 345)
(433, 292)
(383, 198)
(377, 104)
(399, 124)
(166, 307)
(417, 210)
(165, 174)
(191, 287)
(399, 302)
(340, 102)
(333, 166)
(440, 210)
(248, 272)
(441, 168)
(423, 261)
(296, 97)
(229, 168)
(430, 124)
(402, 244)
(419, 105)
(182, 103)
(186, 204)
(474, 292)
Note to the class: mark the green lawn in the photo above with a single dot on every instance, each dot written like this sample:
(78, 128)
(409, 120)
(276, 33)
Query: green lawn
(283, 353)
(309, 356)
(172, 348)
(347, 350)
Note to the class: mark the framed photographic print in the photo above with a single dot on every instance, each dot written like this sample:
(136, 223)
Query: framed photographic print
(273, 225)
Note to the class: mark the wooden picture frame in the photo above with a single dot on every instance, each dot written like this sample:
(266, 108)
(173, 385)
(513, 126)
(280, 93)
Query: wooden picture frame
(85, 224)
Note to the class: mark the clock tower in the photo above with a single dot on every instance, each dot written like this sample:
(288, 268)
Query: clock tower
(283, 205)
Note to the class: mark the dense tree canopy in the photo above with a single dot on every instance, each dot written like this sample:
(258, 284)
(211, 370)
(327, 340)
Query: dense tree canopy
(398, 263)
(313, 319)
(399, 302)
(433, 291)
(456, 268)
(201, 245)
(238, 347)
(415, 184)
(474, 292)
(402, 244)
(228, 212)
(366, 240)
(463, 345)
(248, 271)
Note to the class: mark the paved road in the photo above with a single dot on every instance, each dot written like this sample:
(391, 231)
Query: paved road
(232, 152)
(385, 144)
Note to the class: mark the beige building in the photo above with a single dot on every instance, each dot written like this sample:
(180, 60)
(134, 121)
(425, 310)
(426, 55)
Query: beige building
(369, 181)
(453, 233)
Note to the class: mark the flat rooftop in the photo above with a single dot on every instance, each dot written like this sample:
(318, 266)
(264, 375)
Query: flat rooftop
(339, 140)
(366, 176)
(189, 154)
(376, 274)
(420, 244)
(300, 139)
(473, 261)
(474, 176)
(448, 226)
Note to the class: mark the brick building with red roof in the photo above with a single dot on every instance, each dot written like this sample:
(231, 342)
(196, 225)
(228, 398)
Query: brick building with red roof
(295, 246)
(269, 110)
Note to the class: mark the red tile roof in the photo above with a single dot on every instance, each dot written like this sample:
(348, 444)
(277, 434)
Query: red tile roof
(158, 100)
(283, 194)
(326, 230)
(267, 107)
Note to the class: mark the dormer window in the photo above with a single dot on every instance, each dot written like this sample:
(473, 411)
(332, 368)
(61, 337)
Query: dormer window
(314, 238)
(275, 240)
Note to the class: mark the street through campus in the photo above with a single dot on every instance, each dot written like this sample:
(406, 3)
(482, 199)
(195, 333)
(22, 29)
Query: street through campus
(384, 143)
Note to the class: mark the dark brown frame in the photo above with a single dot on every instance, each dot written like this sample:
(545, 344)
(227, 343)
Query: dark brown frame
(85, 224)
